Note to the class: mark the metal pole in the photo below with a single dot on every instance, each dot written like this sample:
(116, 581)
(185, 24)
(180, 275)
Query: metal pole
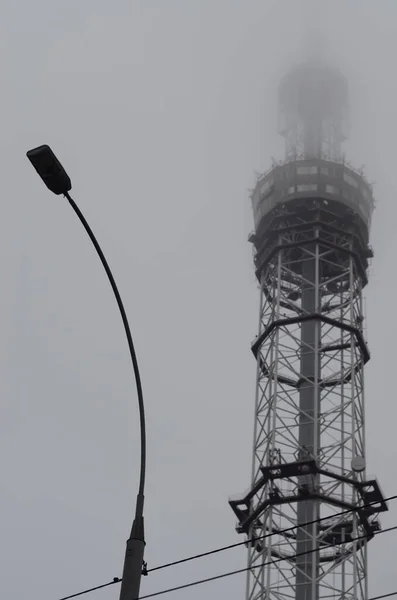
(133, 561)
(307, 509)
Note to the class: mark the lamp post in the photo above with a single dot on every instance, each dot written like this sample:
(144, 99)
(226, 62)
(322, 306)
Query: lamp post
(57, 180)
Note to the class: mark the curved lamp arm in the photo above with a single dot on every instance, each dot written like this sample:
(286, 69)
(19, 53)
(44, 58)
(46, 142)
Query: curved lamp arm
(133, 561)
(128, 336)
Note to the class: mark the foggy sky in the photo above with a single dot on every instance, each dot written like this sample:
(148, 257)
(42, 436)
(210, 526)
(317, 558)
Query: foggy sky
(161, 111)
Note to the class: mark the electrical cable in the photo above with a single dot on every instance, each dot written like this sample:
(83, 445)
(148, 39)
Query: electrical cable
(93, 589)
(383, 596)
(261, 537)
(192, 584)
(245, 569)
(372, 598)
(220, 549)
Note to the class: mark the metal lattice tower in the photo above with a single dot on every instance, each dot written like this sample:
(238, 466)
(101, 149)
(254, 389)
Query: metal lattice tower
(312, 216)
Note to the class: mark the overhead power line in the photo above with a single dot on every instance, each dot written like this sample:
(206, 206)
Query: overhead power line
(93, 589)
(262, 537)
(228, 574)
(245, 569)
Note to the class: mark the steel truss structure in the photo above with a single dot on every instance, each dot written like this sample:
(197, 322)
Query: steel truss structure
(310, 511)
(309, 411)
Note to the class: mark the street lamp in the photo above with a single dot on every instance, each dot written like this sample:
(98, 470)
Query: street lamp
(56, 179)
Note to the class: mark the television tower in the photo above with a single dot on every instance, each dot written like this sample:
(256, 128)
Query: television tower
(312, 214)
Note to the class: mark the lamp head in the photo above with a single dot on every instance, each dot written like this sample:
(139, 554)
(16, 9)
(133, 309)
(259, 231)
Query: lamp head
(50, 169)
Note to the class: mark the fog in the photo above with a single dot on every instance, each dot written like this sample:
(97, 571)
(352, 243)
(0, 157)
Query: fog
(161, 111)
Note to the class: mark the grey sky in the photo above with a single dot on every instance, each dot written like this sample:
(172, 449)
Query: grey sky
(160, 110)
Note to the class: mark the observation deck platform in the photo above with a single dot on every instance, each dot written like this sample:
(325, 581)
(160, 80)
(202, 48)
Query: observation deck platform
(295, 181)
